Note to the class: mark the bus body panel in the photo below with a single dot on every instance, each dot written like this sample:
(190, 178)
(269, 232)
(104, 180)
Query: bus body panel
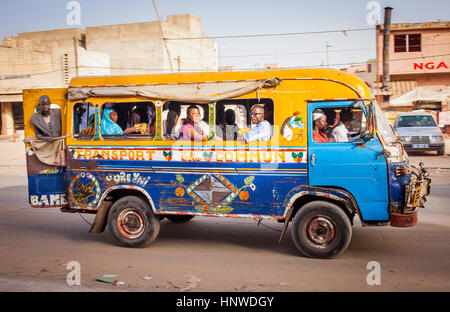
(214, 177)
(360, 169)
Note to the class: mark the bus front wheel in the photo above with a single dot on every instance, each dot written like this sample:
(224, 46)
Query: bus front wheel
(132, 222)
(321, 230)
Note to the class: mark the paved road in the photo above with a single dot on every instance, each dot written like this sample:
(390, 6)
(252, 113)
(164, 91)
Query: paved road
(217, 254)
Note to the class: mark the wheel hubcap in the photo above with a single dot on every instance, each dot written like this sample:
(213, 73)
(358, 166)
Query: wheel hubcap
(131, 223)
(320, 230)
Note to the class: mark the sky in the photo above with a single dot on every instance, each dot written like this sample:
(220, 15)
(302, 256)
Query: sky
(244, 17)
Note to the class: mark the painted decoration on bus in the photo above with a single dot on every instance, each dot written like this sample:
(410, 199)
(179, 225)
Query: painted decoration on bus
(263, 155)
(48, 200)
(85, 190)
(214, 193)
(127, 178)
(292, 128)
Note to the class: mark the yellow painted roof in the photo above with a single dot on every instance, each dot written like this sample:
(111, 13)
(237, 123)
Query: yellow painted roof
(331, 74)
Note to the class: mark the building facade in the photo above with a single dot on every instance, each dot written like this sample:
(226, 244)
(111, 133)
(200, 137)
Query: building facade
(419, 65)
(50, 59)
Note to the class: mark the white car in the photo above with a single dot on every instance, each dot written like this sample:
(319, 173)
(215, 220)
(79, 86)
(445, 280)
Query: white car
(419, 132)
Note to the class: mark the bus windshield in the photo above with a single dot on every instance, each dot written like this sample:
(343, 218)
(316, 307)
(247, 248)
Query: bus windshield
(383, 125)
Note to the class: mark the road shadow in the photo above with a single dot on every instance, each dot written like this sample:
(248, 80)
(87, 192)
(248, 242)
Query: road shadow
(217, 232)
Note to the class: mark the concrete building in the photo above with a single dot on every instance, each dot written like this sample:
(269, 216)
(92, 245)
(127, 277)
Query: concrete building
(366, 72)
(50, 59)
(419, 65)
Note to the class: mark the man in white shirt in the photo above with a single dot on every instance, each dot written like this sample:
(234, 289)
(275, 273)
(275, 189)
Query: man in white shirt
(340, 132)
(261, 129)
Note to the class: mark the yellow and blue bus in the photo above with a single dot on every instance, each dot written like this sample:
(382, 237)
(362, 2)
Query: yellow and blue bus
(298, 173)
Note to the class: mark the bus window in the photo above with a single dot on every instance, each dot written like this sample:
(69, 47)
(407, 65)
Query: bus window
(337, 124)
(234, 117)
(84, 120)
(136, 120)
(176, 122)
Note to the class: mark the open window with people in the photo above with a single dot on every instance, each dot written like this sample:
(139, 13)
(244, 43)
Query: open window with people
(337, 124)
(185, 121)
(135, 120)
(247, 120)
(84, 120)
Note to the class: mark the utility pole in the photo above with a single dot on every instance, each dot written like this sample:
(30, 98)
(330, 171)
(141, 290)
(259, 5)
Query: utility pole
(163, 37)
(386, 87)
(326, 48)
(178, 58)
(75, 45)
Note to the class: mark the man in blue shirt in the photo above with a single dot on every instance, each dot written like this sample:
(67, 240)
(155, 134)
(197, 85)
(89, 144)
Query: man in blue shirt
(261, 129)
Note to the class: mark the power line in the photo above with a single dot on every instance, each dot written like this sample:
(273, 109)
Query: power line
(344, 31)
(308, 66)
(278, 54)
(238, 69)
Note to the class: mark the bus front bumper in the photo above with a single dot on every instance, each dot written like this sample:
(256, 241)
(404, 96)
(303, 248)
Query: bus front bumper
(416, 192)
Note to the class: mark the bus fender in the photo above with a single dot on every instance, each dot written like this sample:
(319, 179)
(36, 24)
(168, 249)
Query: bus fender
(343, 197)
(101, 217)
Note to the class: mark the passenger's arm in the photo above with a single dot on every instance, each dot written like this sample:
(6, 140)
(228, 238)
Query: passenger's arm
(260, 132)
(40, 135)
(130, 130)
(193, 134)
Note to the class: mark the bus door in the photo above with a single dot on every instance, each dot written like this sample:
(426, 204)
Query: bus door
(351, 163)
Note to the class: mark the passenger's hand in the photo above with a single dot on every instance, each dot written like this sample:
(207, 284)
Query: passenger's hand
(48, 139)
(243, 131)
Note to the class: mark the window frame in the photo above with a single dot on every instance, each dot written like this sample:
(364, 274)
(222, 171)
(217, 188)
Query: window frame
(127, 137)
(361, 120)
(83, 137)
(182, 106)
(248, 104)
(408, 46)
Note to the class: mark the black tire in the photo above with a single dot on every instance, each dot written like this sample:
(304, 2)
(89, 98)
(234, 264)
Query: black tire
(321, 230)
(441, 152)
(179, 218)
(132, 222)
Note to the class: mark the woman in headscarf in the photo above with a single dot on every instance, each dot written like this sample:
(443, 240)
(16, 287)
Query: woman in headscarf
(320, 123)
(109, 125)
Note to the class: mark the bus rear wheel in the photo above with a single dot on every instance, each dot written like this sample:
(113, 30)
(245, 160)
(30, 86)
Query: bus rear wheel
(132, 222)
(321, 230)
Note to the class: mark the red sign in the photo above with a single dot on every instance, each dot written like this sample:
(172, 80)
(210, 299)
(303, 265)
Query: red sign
(429, 65)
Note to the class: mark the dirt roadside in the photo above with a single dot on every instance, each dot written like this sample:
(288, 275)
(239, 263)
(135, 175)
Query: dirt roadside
(212, 254)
